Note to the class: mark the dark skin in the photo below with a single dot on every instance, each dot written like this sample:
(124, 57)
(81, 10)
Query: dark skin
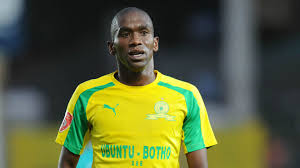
(67, 159)
(133, 44)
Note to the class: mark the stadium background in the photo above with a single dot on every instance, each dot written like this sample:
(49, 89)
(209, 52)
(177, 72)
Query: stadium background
(244, 57)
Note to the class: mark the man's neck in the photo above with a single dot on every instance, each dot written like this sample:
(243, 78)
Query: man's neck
(139, 78)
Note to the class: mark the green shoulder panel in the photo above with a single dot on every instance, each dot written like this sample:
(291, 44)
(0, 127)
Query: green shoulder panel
(192, 124)
(79, 125)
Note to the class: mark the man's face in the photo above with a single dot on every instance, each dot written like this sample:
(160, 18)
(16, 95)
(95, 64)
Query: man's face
(134, 42)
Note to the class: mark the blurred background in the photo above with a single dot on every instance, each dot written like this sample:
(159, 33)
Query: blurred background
(243, 56)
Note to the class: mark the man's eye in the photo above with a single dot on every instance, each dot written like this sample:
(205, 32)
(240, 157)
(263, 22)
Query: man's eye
(144, 33)
(125, 34)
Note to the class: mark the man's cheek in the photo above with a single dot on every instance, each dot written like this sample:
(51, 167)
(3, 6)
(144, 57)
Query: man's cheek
(150, 44)
(121, 51)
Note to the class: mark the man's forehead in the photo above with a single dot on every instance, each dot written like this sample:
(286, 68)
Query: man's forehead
(134, 19)
(134, 26)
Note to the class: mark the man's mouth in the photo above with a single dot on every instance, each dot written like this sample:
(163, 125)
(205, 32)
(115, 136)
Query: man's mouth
(136, 53)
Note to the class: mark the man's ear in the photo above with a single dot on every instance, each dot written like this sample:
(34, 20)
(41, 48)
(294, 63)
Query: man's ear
(111, 49)
(155, 46)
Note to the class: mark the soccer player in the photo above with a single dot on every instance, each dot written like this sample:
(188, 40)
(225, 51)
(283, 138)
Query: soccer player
(135, 116)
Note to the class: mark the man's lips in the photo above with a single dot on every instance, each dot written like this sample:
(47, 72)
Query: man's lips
(138, 57)
(136, 54)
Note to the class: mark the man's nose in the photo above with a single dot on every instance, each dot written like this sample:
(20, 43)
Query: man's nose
(135, 39)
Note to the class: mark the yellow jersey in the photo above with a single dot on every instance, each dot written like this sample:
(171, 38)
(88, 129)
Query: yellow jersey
(136, 126)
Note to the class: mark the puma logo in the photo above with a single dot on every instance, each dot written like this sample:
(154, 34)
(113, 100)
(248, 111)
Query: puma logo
(112, 108)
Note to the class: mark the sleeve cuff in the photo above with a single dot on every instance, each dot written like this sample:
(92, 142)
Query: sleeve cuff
(195, 147)
(72, 149)
(69, 147)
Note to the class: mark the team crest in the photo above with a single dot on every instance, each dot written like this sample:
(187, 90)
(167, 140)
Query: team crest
(66, 122)
(161, 109)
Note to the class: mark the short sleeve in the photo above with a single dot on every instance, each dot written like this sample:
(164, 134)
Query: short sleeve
(197, 131)
(73, 132)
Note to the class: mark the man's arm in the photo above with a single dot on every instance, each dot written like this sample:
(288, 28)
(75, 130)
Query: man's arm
(197, 159)
(67, 159)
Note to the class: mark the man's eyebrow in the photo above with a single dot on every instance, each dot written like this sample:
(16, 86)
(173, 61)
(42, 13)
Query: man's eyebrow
(142, 27)
(124, 29)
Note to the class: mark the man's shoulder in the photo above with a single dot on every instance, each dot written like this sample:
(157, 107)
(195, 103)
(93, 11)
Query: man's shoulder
(173, 82)
(103, 81)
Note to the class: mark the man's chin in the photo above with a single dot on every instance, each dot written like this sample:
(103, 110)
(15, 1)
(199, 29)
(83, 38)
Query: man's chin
(137, 67)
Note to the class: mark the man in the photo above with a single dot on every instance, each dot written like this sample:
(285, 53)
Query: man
(136, 116)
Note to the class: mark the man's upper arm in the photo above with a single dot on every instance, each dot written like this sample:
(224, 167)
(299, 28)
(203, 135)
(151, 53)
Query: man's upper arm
(67, 159)
(197, 159)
